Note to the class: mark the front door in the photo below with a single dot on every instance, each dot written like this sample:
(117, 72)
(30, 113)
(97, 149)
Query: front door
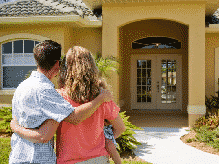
(156, 81)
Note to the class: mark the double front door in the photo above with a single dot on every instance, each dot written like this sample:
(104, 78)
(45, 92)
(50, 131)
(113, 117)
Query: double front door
(156, 81)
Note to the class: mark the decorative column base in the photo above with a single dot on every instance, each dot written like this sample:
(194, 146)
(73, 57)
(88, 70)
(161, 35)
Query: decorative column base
(195, 112)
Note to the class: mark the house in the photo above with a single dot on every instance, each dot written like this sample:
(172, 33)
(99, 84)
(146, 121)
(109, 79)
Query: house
(168, 49)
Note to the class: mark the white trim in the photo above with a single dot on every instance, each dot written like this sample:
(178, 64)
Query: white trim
(211, 30)
(213, 25)
(84, 22)
(7, 92)
(196, 109)
(11, 38)
(22, 36)
(5, 105)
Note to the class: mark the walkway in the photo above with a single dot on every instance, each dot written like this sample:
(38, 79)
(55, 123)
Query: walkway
(161, 145)
(161, 142)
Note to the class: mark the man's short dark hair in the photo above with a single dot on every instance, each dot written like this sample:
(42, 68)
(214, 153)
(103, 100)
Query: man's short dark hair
(46, 54)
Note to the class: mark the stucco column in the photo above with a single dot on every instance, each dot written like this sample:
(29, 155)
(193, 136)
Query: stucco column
(196, 63)
(110, 47)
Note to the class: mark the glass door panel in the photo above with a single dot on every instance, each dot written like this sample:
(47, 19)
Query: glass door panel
(144, 81)
(168, 81)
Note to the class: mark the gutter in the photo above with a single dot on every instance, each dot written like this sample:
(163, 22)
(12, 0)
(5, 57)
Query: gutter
(87, 21)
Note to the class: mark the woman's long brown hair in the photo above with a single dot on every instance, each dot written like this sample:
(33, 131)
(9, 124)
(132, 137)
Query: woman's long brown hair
(81, 76)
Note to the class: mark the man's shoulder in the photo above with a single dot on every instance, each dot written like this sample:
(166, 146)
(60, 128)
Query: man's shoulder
(29, 83)
(30, 86)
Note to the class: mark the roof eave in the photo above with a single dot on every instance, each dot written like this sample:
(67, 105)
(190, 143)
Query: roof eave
(83, 22)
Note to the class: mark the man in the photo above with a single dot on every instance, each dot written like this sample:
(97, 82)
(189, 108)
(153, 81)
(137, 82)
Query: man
(36, 102)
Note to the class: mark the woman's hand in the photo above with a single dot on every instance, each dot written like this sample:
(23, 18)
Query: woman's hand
(106, 95)
(14, 124)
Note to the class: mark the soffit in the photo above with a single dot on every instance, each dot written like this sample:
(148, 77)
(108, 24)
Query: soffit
(211, 5)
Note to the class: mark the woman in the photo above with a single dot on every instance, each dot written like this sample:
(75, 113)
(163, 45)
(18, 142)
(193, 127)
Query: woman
(85, 142)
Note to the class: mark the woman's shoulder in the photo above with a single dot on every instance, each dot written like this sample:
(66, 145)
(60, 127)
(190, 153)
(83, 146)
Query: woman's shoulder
(65, 95)
(61, 91)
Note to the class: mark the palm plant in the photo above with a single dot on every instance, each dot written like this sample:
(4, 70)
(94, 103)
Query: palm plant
(106, 65)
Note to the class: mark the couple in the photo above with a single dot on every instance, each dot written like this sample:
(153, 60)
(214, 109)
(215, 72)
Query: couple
(77, 111)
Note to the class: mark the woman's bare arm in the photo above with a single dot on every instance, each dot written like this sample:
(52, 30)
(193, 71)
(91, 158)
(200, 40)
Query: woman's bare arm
(118, 126)
(47, 130)
(84, 111)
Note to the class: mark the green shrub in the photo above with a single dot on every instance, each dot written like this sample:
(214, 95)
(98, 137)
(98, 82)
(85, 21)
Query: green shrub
(127, 142)
(211, 122)
(204, 134)
(6, 114)
(212, 105)
(210, 137)
(190, 140)
(207, 130)
(5, 149)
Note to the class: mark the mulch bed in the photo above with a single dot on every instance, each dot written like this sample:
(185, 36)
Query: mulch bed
(5, 135)
(198, 145)
(129, 156)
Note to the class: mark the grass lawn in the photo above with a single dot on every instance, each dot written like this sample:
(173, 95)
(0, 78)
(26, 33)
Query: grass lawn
(130, 162)
(5, 149)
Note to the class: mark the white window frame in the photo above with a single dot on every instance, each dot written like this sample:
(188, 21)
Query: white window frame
(12, 37)
(5, 65)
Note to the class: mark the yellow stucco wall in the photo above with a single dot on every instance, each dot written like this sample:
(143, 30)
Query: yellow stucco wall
(67, 34)
(52, 31)
(211, 43)
(5, 99)
(143, 29)
(117, 15)
(90, 38)
(64, 33)
(190, 14)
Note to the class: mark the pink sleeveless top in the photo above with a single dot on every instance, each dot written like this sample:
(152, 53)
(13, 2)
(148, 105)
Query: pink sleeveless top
(77, 143)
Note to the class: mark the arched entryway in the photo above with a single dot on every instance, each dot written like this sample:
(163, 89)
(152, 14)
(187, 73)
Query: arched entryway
(154, 65)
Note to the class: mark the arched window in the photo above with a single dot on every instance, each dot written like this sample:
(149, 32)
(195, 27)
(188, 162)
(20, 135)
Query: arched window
(17, 62)
(156, 43)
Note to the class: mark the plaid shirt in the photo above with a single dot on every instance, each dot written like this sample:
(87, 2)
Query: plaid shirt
(36, 100)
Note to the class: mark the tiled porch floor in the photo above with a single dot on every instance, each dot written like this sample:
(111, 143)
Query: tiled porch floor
(158, 119)
(154, 118)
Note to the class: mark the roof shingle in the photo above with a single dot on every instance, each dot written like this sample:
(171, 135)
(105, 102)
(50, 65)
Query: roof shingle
(27, 8)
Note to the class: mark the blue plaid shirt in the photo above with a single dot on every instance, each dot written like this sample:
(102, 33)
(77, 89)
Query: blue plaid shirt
(36, 100)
